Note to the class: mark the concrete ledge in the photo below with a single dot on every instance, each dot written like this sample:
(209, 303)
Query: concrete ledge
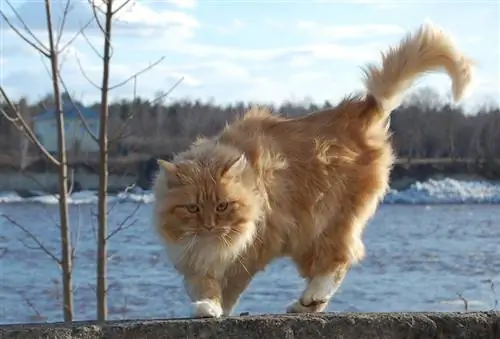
(328, 325)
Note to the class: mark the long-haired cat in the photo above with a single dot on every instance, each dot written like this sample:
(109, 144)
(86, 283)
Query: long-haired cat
(268, 187)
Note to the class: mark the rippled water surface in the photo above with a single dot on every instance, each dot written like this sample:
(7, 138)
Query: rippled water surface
(418, 259)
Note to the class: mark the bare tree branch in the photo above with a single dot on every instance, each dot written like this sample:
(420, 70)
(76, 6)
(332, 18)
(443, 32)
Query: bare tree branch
(91, 45)
(167, 93)
(40, 246)
(23, 127)
(135, 75)
(31, 305)
(125, 3)
(95, 9)
(80, 115)
(63, 22)
(120, 134)
(85, 75)
(77, 237)
(123, 225)
(118, 201)
(465, 301)
(77, 34)
(40, 47)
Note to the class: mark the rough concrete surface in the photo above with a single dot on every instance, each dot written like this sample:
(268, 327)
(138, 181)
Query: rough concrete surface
(327, 325)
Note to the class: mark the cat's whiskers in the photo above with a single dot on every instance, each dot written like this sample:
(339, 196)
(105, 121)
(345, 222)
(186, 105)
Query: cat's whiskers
(188, 247)
(225, 241)
(238, 257)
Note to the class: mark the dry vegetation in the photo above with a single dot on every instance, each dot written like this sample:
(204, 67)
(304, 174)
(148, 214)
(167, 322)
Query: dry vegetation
(424, 128)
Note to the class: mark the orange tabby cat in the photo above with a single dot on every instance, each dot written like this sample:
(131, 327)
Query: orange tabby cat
(268, 187)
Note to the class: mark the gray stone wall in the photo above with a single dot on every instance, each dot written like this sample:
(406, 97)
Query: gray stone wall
(473, 325)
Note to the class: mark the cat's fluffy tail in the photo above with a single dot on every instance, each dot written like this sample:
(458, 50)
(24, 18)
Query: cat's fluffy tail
(427, 49)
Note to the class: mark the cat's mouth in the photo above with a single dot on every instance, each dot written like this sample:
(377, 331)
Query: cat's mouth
(219, 234)
(212, 232)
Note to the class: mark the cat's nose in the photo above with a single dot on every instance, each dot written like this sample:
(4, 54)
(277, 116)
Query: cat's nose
(209, 227)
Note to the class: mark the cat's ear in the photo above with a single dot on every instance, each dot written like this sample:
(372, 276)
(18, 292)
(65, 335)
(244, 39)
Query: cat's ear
(169, 168)
(235, 167)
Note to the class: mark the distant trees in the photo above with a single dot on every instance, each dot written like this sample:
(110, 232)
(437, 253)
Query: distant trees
(424, 127)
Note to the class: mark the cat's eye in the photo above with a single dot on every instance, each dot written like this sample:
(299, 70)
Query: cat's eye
(192, 208)
(221, 207)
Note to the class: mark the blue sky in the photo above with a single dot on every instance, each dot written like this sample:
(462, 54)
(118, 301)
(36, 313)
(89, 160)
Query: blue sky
(266, 51)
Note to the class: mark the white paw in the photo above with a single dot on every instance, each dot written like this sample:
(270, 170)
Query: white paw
(297, 307)
(320, 290)
(206, 309)
(316, 296)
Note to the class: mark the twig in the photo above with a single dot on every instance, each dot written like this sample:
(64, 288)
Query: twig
(77, 34)
(120, 134)
(494, 293)
(135, 75)
(32, 237)
(94, 11)
(91, 45)
(23, 127)
(125, 3)
(41, 48)
(123, 225)
(84, 74)
(80, 115)
(30, 304)
(77, 236)
(63, 22)
(118, 201)
(466, 302)
(43, 187)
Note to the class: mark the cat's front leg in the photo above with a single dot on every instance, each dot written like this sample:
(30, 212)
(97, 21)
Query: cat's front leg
(205, 293)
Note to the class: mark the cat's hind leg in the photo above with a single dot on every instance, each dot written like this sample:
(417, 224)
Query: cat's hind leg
(319, 290)
(324, 266)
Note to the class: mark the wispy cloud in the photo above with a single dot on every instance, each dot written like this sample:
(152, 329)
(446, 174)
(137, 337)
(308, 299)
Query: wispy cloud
(259, 51)
(188, 4)
(339, 32)
(232, 27)
(133, 19)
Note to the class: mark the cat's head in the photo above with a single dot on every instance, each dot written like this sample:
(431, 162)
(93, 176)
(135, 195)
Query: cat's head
(207, 197)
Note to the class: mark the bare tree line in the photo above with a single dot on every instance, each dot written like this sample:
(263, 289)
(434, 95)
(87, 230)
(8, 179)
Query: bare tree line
(422, 127)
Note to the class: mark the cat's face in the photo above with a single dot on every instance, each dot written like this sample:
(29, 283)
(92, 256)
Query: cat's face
(213, 203)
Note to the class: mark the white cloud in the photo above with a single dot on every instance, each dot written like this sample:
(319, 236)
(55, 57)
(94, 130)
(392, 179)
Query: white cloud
(273, 23)
(293, 87)
(381, 5)
(300, 61)
(355, 53)
(142, 14)
(231, 27)
(188, 4)
(348, 31)
(134, 19)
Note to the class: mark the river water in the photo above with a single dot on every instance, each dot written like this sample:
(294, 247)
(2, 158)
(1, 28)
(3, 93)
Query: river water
(419, 258)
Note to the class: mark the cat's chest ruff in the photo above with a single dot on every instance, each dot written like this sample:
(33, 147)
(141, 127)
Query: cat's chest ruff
(202, 258)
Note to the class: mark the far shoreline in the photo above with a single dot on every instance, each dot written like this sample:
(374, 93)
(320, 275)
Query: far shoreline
(139, 171)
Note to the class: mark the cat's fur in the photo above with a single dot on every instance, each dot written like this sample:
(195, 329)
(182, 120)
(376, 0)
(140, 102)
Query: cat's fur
(268, 187)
